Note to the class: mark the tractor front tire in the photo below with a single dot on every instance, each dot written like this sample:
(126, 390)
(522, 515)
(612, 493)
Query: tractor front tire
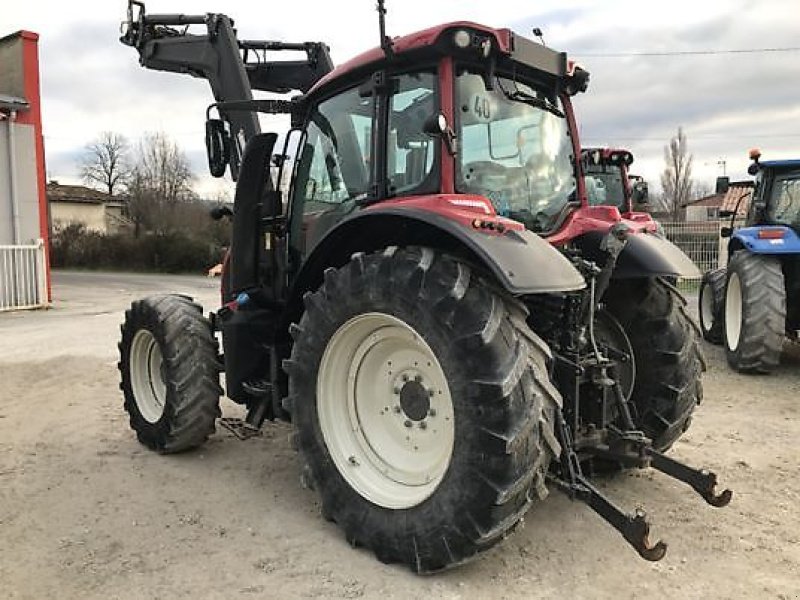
(667, 355)
(422, 404)
(712, 302)
(170, 378)
(755, 312)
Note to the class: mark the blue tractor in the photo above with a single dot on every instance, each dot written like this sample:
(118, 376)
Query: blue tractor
(754, 304)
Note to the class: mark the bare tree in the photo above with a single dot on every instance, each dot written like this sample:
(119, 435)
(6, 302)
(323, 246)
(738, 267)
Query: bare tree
(105, 162)
(676, 179)
(164, 168)
(159, 184)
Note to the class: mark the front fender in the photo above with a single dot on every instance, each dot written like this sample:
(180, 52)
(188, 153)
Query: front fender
(645, 254)
(522, 262)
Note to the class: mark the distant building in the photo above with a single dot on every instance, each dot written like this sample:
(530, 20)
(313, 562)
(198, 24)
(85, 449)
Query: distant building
(705, 208)
(77, 204)
(738, 195)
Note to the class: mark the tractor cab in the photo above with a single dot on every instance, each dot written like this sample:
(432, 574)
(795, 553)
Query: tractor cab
(776, 195)
(612, 196)
(457, 120)
(608, 182)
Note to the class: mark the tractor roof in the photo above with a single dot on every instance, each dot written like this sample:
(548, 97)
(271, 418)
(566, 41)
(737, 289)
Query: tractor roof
(606, 155)
(780, 164)
(505, 42)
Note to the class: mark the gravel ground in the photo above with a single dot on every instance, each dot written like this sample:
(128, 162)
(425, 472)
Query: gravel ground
(86, 512)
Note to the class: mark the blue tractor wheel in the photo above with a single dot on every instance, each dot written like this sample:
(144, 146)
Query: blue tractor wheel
(755, 312)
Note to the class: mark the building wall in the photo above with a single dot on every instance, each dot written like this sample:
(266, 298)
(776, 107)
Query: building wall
(91, 216)
(25, 181)
(702, 213)
(115, 220)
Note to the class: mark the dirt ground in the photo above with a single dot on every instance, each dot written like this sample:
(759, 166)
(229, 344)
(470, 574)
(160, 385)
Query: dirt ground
(86, 512)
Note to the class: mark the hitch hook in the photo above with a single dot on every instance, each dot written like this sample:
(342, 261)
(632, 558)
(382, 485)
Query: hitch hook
(702, 481)
(638, 535)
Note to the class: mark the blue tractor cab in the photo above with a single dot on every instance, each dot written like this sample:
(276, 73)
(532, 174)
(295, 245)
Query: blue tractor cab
(754, 303)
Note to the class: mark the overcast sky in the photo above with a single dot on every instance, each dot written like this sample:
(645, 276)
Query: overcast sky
(726, 102)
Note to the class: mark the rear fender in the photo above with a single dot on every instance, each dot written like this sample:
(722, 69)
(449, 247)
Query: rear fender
(521, 262)
(645, 255)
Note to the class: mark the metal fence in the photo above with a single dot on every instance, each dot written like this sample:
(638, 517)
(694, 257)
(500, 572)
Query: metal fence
(700, 241)
(23, 277)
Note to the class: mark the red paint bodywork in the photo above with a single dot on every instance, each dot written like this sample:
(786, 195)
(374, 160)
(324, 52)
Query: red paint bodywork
(599, 218)
(465, 209)
(447, 99)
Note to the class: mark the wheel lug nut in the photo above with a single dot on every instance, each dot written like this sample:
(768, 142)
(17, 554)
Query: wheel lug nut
(352, 460)
(396, 390)
(423, 425)
(407, 423)
(431, 393)
(432, 412)
(418, 378)
(396, 409)
(405, 377)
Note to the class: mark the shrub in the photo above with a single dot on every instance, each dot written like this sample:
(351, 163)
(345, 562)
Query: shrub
(74, 246)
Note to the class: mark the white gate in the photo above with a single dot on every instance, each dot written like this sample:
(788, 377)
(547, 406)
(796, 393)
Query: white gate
(23, 277)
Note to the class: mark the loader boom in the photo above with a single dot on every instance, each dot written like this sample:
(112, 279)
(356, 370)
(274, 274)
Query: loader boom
(233, 67)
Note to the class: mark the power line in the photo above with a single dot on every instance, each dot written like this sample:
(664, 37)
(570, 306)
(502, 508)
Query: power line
(704, 136)
(685, 52)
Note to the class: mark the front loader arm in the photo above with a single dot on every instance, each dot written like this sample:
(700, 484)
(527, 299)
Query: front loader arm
(233, 67)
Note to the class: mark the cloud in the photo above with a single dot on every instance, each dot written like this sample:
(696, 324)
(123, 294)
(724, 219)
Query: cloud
(725, 103)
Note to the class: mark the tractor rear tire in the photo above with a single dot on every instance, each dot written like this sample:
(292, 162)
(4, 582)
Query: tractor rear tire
(170, 375)
(755, 312)
(712, 303)
(422, 405)
(667, 355)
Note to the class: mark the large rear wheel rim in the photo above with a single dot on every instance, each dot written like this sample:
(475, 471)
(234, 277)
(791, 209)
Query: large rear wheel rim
(733, 311)
(385, 410)
(609, 331)
(147, 376)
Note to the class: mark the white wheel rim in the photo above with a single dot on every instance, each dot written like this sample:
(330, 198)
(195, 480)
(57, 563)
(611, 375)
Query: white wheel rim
(733, 311)
(706, 307)
(147, 376)
(385, 410)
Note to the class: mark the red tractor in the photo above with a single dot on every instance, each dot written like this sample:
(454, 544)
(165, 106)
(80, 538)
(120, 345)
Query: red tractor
(390, 291)
(608, 182)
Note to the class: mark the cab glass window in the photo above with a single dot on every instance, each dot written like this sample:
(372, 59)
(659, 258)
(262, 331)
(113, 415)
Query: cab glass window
(514, 148)
(410, 151)
(336, 153)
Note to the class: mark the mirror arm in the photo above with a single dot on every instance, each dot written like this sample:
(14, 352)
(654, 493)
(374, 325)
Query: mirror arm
(449, 137)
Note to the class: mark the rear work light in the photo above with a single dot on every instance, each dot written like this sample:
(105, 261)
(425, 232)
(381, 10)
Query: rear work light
(771, 234)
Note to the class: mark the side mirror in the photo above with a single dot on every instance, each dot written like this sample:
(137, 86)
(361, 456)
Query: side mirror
(218, 147)
(436, 126)
(726, 232)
